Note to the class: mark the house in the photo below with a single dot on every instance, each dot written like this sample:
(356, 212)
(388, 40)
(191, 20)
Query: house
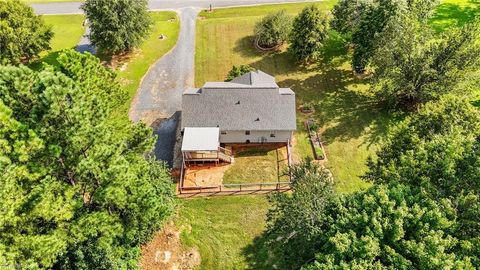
(250, 109)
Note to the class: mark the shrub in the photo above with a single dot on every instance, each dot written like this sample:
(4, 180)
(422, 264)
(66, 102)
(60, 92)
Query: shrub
(273, 29)
(237, 71)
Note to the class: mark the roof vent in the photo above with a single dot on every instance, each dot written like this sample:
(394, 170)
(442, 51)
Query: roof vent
(258, 119)
(237, 103)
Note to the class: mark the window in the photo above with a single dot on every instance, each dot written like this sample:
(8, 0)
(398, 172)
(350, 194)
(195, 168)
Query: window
(247, 132)
(223, 132)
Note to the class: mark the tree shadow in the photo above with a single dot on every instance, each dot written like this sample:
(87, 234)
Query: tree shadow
(452, 15)
(258, 254)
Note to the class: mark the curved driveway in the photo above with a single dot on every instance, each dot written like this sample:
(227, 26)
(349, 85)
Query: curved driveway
(160, 93)
(158, 99)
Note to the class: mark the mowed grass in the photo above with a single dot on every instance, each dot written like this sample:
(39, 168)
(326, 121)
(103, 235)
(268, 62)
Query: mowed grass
(258, 165)
(67, 32)
(351, 124)
(151, 50)
(221, 227)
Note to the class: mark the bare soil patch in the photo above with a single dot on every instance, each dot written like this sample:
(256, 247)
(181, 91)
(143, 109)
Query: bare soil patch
(165, 251)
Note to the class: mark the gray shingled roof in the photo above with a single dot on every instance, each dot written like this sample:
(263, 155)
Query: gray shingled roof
(249, 102)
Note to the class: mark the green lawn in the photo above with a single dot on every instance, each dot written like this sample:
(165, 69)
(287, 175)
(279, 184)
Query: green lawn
(68, 31)
(152, 49)
(352, 126)
(222, 227)
(257, 166)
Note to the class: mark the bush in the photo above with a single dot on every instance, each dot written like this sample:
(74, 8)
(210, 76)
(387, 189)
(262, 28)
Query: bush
(23, 35)
(319, 153)
(237, 71)
(273, 29)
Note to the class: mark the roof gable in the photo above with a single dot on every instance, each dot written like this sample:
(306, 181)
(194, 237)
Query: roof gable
(235, 105)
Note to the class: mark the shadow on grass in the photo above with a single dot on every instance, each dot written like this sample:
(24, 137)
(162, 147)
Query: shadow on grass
(257, 254)
(449, 14)
(344, 110)
(344, 107)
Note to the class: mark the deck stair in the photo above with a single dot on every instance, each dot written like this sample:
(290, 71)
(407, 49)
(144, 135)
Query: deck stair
(225, 155)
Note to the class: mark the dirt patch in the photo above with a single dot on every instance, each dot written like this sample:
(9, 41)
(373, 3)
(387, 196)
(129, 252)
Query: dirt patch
(165, 251)
(205, 175)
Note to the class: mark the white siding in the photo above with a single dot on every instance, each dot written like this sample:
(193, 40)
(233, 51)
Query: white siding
(255, 136)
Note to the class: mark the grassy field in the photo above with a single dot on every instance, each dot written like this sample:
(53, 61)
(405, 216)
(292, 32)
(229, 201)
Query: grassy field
(221, 227)
(68, 31)
(152, 49)
(257, 166)
(352, 125)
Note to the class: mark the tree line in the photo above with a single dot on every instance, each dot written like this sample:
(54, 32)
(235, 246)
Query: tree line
(79, 188)
(423, 206)
(408, 63)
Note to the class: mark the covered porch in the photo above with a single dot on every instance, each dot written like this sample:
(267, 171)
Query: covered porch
(201, 145)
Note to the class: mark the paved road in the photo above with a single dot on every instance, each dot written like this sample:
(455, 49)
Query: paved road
(74, 7)
(159, 96)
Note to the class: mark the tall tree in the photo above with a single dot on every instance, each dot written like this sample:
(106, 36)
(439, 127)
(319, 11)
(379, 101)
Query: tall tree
(416, 66)
(77, 190)
(117, 26)
(363, 20)
(437, 151)
(308, 34)
(390, 226)
(23, 35)
(274, 29)
(296, 222)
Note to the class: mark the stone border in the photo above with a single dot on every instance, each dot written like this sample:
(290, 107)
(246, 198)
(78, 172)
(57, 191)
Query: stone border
(258, 47)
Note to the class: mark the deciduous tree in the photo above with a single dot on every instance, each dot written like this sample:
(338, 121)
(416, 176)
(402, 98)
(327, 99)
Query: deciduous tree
(274, 29)
(363, 20)
(117, 26)
(308, 34)
(23, 35)
(437, 151)
(416, 66)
